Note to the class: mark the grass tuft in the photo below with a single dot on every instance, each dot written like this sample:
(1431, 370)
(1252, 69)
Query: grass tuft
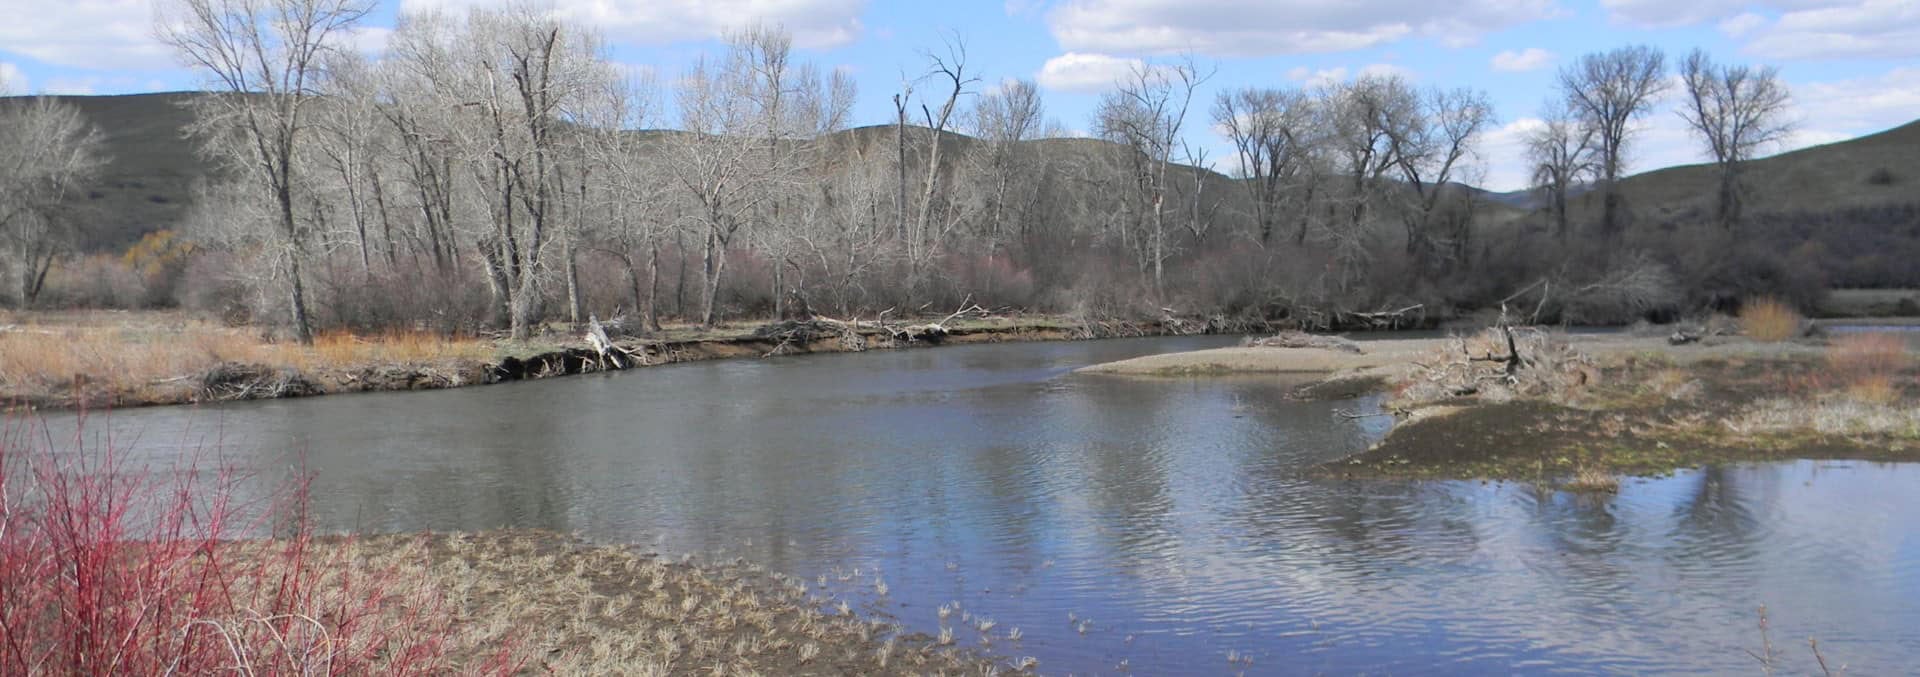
(1770, 320)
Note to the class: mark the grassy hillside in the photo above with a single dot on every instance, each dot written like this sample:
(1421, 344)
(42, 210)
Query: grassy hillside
(148, 182)
(1828, 177)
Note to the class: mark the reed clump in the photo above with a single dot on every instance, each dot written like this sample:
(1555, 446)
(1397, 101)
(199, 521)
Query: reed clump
(1770, 320)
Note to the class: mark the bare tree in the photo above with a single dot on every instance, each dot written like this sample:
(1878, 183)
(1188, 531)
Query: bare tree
(262, 57)
(1145, 114)
(950, 74)
(746, 125)
(1363, 115)
(47, 151)
(1429, 146)
(1737, 111)
(1610, 90)
(1270, 130)
(1560, 153)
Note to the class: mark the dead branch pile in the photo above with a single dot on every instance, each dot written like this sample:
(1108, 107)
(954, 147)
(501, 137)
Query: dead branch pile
(1498, 365)
(238, 381)
(1301, 339)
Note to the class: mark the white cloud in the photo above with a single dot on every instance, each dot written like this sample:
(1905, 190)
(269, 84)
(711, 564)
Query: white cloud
(1386, 70)
(1741, 24)
(12, 81)
(814, 23)
(1531, 58)
(1337, 74)
(1790, 29)
(1859, 105)
(72, 86)
(1505, 150)
(84, 33)
(369, 40)
(1234, 28)
(1869, 29)
(1077, 72)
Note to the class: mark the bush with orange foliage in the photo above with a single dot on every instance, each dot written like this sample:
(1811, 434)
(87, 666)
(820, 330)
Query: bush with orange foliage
(1770, 320)
(1869, 365)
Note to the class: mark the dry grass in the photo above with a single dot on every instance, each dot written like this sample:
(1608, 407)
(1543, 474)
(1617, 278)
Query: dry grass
(148, 358)
(1868, 366)
(1835, 416)
(1770, 320)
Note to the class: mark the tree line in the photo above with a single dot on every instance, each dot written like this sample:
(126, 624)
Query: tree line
(495, 169)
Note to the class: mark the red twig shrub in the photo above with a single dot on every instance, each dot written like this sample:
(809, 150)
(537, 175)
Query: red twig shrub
(109, 568)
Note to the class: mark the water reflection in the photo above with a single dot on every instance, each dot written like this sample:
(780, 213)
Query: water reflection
(1168, 518)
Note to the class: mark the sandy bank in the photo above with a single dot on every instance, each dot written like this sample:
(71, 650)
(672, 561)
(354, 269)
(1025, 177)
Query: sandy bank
(1389, 353)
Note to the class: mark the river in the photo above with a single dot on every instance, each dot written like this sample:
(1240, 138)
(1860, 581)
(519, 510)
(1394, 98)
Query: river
(1157, 526)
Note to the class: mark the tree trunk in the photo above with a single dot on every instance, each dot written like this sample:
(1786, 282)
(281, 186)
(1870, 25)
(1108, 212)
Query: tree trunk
(653, 286)
(576, 310)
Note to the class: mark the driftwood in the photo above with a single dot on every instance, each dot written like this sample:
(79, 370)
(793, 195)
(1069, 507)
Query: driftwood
(609, 352)
(238, 381)
(1499, 363)
(1388, 319)
(1300, 339)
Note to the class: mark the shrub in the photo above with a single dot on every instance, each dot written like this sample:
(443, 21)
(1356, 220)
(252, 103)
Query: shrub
(108, 568)
(1881, 177)
(1867, 365)
(1869, 353)
(1769, 319)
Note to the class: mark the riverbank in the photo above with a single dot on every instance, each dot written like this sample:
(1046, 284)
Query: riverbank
(1580, 409)
(66, 360)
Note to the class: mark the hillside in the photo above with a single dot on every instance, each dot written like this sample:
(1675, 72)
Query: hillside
(148, 185)
(148, 182)
(1826, 177)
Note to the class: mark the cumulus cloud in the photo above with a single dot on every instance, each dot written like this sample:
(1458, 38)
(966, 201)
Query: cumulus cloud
(1531, 58)
(1233, 28)
(84, 33)
(12, 81)
(1871, 29)
(1790, 29)
(1077, 72)
(1741, 24)
(814, 23)
(1337, 74)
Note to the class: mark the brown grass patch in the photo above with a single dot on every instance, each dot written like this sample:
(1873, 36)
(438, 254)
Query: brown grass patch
(1770, 320)
(149, 359)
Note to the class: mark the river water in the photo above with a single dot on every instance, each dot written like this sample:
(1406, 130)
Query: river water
(1158, 526)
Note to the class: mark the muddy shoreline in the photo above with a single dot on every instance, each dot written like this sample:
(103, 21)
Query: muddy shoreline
(234, 381)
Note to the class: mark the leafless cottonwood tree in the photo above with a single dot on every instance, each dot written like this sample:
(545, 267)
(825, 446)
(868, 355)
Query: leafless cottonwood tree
(262, 59)
(1560, 153)
(949, 73)
(1005, 118)
(1609, 90)
(47, 151)
(1363, 117)
(1271, 131)
(1430, 147)
(1737, 111)
(743, 140)
(1145, 114)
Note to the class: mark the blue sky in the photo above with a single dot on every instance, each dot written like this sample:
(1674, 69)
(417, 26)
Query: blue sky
(1854, 66)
